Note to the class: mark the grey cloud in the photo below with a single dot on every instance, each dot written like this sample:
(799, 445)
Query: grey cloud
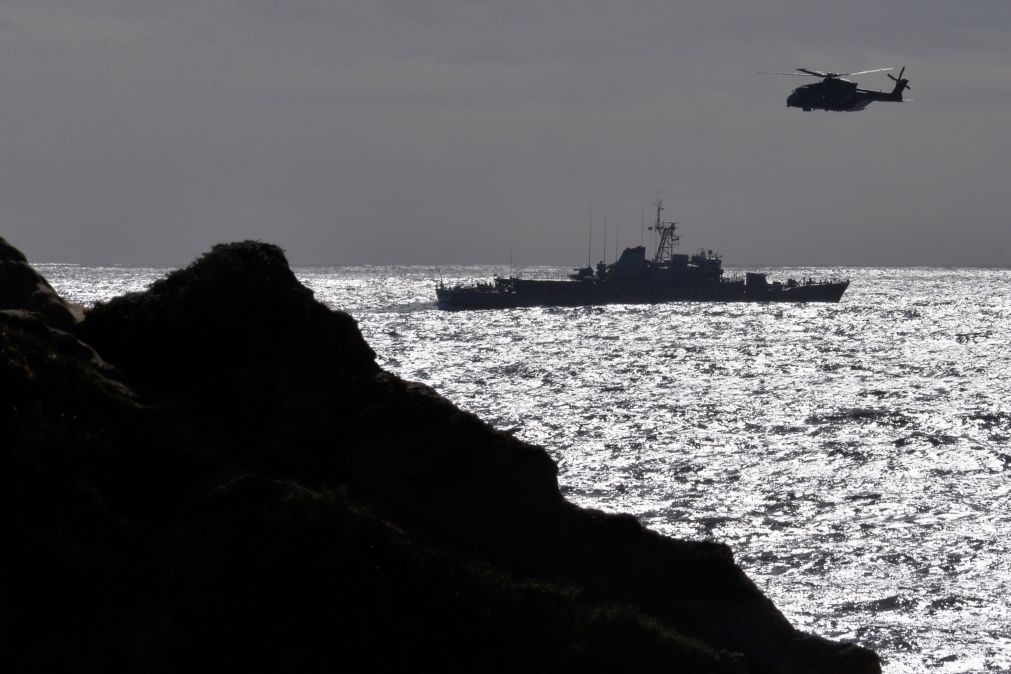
(441, 132)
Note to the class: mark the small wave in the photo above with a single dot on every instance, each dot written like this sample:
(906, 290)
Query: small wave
(864, 496)
(859, 414)
(780, 429)
(989, 420)
(398, 308)
(851, 449)
(891, 603)
(953, 601)
(880, 394)
(933, 439)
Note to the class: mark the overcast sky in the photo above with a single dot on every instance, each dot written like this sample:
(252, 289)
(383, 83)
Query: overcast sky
(452, 131)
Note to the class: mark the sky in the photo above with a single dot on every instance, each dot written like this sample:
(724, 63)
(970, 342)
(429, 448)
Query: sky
(471, 132)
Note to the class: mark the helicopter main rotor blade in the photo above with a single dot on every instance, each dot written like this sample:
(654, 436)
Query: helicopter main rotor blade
(865, 72)
(816, 73)
(763, 72)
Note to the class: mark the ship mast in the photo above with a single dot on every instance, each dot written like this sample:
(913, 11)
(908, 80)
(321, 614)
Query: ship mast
(668, 238)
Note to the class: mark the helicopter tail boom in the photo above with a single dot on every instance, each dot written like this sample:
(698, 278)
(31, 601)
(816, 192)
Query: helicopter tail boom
(893, 96)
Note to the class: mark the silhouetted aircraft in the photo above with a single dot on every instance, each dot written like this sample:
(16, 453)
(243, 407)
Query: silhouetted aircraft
(841, 95)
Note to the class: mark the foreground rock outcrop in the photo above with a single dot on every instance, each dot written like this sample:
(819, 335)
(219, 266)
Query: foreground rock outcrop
(21, 287)
(216, 474)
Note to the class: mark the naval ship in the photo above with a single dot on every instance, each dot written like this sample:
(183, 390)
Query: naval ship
(634, 279)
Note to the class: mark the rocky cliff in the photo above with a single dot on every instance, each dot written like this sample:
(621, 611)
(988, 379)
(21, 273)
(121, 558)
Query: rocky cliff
(21, 287)
(215, 473)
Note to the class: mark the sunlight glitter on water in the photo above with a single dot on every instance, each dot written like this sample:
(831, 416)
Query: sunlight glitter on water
(854, 456)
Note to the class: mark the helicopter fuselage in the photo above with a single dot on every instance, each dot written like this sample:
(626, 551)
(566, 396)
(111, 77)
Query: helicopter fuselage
(838, 95)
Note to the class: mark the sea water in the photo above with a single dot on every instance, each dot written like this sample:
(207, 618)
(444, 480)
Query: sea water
(856, 457)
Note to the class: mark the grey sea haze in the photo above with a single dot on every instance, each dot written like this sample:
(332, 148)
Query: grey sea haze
(855, 456)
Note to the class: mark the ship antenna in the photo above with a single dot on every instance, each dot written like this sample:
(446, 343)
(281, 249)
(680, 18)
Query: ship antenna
(656, 227)
(589, 244)
(668, 237)
(603, 256)
(642, 224)
(617, 229)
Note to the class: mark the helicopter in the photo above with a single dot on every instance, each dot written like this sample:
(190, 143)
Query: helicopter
(841, 95)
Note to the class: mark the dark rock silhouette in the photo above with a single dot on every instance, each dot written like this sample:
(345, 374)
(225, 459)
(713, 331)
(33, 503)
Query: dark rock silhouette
(248, 490)
(21, 287)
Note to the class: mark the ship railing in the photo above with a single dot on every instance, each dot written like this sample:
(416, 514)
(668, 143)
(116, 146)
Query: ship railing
(790, 282)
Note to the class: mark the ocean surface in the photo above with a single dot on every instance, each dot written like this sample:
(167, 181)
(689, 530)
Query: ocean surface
(856, 457)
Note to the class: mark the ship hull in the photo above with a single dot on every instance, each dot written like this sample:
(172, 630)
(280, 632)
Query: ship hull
(531, 293)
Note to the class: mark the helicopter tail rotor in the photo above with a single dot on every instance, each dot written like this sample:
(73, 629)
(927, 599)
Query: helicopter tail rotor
(901, 84)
